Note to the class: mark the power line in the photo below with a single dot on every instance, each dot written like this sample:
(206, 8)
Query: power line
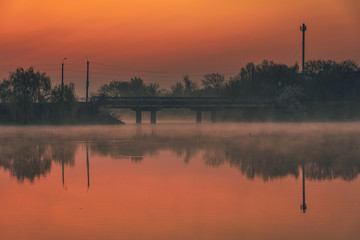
(131, 69)
(118, 68)
(114, 71)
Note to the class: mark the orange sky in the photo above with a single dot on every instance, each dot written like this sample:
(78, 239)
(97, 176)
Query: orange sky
(169, 37)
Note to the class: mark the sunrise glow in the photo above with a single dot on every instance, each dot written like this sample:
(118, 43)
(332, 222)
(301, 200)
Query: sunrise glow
(161, 41)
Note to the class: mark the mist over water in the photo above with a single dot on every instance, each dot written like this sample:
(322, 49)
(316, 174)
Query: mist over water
(187, 181)
(79, 133)
(268, 151)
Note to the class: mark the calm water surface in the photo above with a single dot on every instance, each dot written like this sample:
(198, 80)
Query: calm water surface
(181, 181)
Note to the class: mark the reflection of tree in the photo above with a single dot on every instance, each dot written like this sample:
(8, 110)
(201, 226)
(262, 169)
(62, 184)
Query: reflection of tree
(25, 161)
(63, 152)
(326, 157)
(120, 150)
(265, 156)
(215, 156)
(31, 158)
(189, 153)
(264, 162)
(334, 157)
(136, 159)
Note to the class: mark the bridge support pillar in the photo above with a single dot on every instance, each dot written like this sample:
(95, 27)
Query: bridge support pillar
(153, 116)
(213, 116)
(198, 116)
(138, 116)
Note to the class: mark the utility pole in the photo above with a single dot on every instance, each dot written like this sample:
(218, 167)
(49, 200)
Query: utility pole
(303, 29)
(252, 80)
(62, 79)
(87, 79)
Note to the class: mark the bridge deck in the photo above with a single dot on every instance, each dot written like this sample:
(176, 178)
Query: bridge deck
(182, 102)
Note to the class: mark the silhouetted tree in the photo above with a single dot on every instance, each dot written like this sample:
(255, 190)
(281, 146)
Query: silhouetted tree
(23, 88)
(263, 80)
(153, 89)
(290, 99)
(67, 96)
(190, 87)
(64, 105)
(213, 82)
(177, 90)
(26, 86)
(5, 93)
(332, 81)
(186, 88)
(329, 66)
(135, 87)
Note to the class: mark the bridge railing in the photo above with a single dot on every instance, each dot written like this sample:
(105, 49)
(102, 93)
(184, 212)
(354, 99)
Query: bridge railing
(183, 99)
(181, 102)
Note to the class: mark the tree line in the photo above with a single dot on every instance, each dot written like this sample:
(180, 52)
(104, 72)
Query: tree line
(320, 81)
(27, 96)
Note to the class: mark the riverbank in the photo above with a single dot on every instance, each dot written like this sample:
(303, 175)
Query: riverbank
(312, 112)
(56, 114)
(92, 114)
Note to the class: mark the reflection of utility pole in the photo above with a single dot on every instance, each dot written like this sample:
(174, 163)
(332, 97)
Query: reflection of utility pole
(87, 166)
(63, 175)
(303, 29)
(303, 206)
(62, 168)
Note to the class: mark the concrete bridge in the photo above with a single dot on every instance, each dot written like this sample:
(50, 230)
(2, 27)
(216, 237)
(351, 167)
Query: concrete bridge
(197, 104)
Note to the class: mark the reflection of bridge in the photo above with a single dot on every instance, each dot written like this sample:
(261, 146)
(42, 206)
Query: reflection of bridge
(197, 104)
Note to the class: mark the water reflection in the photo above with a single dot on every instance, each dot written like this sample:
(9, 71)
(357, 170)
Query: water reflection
(303, 206)
(151, 181)
(87, 166)
(265, 156)
(268, 157)
(32, 158)
(26, 160)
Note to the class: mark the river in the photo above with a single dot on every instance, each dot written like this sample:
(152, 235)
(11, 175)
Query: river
(181, 181)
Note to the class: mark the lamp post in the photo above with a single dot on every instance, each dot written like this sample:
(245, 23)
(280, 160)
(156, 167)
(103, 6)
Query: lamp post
(62, 78)
(303, 29)
(87, 79)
